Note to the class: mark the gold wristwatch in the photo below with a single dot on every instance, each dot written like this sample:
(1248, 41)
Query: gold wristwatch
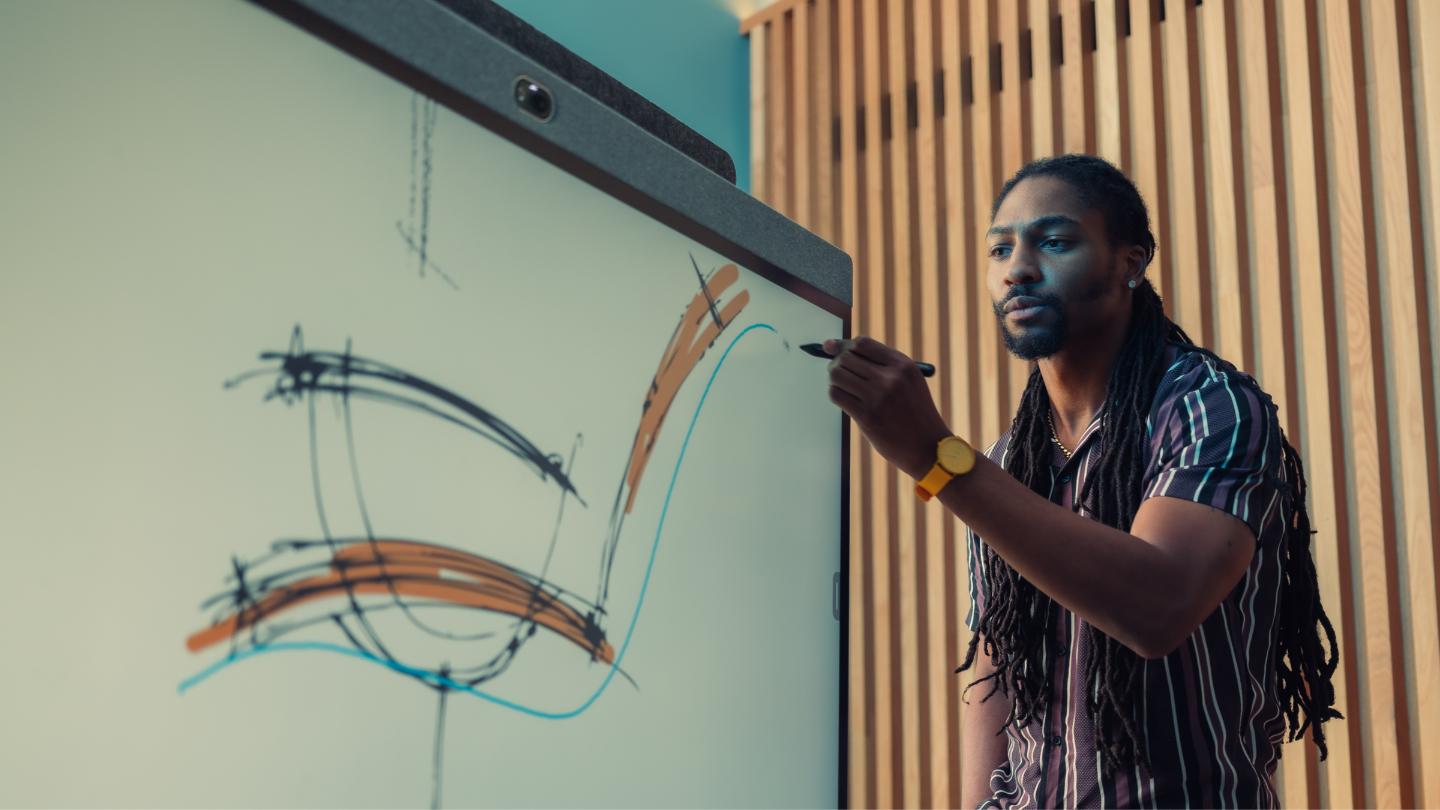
(953, 457)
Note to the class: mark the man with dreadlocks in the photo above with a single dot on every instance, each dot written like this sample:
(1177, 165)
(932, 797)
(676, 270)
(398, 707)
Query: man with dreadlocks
(1143, 596)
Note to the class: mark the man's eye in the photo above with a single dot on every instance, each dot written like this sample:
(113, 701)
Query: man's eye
(999, 251)
(1055, 243)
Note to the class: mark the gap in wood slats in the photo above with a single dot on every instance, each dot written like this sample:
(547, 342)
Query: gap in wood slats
(1087, 25)
(792, 121)
(1057, 44)
(1027, 66)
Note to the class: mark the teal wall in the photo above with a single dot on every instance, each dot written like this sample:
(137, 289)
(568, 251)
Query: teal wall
(687, 56)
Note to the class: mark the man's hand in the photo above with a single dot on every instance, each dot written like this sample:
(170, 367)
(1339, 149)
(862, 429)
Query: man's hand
(883, 391)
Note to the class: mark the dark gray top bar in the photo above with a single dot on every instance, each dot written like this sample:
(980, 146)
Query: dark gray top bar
(426, 45)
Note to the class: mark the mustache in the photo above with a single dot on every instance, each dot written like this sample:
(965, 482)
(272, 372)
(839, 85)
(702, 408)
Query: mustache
(1048, 299)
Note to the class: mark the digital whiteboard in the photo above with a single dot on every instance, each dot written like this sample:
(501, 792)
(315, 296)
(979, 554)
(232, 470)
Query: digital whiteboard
(364, 442)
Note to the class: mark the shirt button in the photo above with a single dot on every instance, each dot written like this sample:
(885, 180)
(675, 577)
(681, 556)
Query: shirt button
(1056, 741)
(1061, 651)
(1065, 479)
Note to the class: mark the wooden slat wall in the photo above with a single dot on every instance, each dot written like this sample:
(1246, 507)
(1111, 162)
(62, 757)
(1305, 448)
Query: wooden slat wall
(1290, 155)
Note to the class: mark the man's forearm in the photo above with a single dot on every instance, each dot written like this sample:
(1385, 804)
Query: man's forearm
(1122, 585)
(982, 746)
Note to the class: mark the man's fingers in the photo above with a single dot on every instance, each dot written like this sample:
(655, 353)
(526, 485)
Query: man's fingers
(848, 402)
(878, 353)
(855, 364)
(848, 381)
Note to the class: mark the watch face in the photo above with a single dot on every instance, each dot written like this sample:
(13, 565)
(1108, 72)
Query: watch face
(955, 455)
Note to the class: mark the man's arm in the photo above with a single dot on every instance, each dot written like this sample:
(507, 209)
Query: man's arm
(1148, 589)
(982, 749)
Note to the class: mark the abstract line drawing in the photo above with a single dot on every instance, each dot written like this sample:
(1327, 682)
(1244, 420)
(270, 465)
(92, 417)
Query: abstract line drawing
(415, 229)
(328, 593)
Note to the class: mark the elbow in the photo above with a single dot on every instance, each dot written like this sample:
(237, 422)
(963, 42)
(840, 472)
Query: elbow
(1156, 639)
(1154, 649)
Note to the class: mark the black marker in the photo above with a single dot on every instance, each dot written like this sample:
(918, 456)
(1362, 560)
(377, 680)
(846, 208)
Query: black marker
(818, 350)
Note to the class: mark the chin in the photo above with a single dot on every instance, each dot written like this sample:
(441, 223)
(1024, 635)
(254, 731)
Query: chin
(1033, 344)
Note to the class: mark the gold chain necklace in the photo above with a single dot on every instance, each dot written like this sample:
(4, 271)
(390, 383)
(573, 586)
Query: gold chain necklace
(1055, 438)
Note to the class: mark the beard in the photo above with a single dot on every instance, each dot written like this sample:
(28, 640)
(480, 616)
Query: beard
(1035, 342)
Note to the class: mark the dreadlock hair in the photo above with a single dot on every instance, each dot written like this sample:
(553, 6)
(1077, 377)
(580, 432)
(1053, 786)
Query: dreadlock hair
(1017, 618)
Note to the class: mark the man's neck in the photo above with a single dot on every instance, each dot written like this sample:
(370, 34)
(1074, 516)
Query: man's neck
(1076, 378)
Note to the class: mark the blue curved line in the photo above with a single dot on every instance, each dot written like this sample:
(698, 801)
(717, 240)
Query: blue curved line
(436, 679)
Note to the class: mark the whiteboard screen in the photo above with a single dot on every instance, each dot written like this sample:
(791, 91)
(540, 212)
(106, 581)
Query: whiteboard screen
(352, 455)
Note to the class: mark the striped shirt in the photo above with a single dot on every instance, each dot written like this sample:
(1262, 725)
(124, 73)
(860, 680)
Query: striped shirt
(1209, 711)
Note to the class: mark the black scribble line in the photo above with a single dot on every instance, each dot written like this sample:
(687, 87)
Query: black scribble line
(365, 516)
(435, 779)
(416, 233)
(705, 288)
(304, 375)
(427, 158)
(414, 248)
(300, 372)
(526, 624)
(297, 343)
(416, 574)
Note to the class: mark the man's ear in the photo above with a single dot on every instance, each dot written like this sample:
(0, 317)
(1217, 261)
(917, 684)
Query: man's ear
(1133, 262)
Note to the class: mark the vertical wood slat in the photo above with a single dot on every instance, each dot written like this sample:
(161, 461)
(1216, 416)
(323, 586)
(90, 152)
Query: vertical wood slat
(1264, 185)
(886, 746)
(983, 156)
(759, 113)
(1344, 78)
(1340, 783)
(959, 319)
(823, 111)
(1223, 157)
(1147, 133)
(862, 696)
(1424, 29)
(777, 104)
(1111, 97)
(1344, 184)
(1406, 324)
(933, 665)
(1044, 98)
(800, 135)
(1014, 111)
(960, 249)
(900, 333)
(1076, 78)
(1185, 234)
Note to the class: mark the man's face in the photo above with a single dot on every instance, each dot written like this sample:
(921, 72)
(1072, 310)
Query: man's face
(1053, 278)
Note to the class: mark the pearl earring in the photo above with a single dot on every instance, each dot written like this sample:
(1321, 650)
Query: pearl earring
(1131, 285)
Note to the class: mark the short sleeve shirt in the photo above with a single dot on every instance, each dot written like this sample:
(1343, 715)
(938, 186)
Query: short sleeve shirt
(1209, 711)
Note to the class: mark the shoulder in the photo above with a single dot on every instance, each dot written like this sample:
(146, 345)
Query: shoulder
(1201, 394)
(1215, 439)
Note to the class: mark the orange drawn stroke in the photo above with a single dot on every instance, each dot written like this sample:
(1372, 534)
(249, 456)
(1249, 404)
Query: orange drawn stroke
(686, 348)
(407, 568)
